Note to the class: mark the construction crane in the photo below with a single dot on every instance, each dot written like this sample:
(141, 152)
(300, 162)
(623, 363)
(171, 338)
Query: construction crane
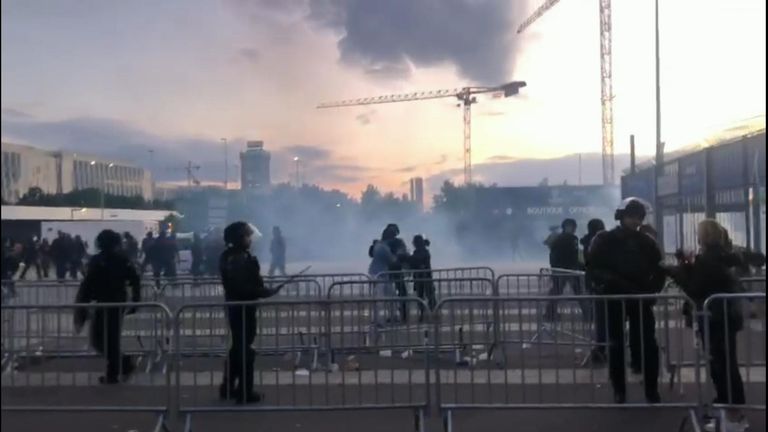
(465, 95)
(190, 169)
(606, 84)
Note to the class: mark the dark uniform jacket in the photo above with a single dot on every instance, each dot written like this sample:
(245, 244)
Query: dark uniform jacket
(564, 252)
(108, 275)
(623, 261)
(241, 276)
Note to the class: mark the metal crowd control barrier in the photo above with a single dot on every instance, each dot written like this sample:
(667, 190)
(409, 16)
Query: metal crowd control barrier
(382, 287)
(735, 353)
(541, 376)
(52, 293)
(371, 377)
(690, 337)
(327, 279)
(753, 284)
(49, 366)
(445, 273)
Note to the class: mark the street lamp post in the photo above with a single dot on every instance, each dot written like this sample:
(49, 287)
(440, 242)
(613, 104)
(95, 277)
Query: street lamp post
(103, 186)
(298, 180)
(226, 164)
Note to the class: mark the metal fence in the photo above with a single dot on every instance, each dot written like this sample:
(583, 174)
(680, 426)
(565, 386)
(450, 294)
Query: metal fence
(367, 371)
(734, 345)
(481, 351)
(48, 365)
(545, 374)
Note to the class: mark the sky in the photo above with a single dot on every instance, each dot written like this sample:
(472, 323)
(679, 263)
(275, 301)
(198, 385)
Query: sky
(122, 78)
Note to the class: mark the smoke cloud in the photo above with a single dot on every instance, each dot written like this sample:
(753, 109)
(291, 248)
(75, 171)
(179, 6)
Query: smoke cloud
(473, 35)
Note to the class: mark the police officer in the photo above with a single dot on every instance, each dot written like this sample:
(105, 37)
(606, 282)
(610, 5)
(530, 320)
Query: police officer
(105, 282)
(242, 281)
(624, 261)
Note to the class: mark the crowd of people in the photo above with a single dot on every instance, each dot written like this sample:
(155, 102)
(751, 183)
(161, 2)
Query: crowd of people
(625, 260)
(66, 254)
(628, 260)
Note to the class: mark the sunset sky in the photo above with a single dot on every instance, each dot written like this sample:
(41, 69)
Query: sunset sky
(122, 77)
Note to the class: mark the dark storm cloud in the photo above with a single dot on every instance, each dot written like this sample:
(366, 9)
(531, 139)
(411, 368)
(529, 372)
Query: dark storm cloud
(473, 35)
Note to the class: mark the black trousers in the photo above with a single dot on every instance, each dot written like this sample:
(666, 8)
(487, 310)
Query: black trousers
(425, 289)
(644, 351)
(105, 339)
(559, 282)
(238, 372)
(724, 366)
(27, 265)
(402, 291)
(61, 269)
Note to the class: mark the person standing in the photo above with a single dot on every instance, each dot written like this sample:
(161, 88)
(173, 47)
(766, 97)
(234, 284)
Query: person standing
(624, 261)
(710, 272)
(60, 254)
(277, 250)
(109, 272)
(400, 252)
(31, 258)
(420, 263)
(45, 257)
(171, 251)
(597, 356)
(381, 260)
(564, 255)
(241, 277)
(196, 267)
(146, 248)
(79, 251)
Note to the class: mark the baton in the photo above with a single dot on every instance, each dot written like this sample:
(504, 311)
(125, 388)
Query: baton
(292, 278)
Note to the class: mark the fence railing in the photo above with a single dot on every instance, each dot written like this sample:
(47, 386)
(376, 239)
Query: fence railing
(51, 365)
(481, 346)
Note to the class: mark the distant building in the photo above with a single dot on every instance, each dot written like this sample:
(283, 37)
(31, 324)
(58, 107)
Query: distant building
(417, 191)
(24, 167)
(254, 166)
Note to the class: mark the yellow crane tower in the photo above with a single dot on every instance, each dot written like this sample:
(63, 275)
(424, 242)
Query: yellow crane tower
(465, 95)
(606, 81)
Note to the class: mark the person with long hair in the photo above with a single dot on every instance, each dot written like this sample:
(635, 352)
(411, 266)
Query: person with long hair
(708, 273)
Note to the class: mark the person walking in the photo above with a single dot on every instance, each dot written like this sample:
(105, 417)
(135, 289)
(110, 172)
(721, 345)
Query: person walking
(45, 257)
(109, 273)
(277, 250)
(241, 277)
(31, 258)
(78, 254)
(624, 261)
(146, 251)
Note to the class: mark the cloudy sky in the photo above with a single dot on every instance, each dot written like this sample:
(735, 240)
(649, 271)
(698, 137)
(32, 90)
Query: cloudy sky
(121, 78)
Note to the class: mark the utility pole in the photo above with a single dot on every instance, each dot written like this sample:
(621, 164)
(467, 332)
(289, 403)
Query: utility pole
(579, 169)
(659, 222)
(226, 164)
(298, 179)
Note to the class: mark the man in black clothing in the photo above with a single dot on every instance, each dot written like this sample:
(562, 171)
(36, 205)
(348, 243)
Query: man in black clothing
(624, 261)
(31, 257)
(277, 250)
(242, 281)
(400, 251)
(564, 255)
(146, 250)
(109, 271)
(78, 251)
(196, 268)
(60, 254)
